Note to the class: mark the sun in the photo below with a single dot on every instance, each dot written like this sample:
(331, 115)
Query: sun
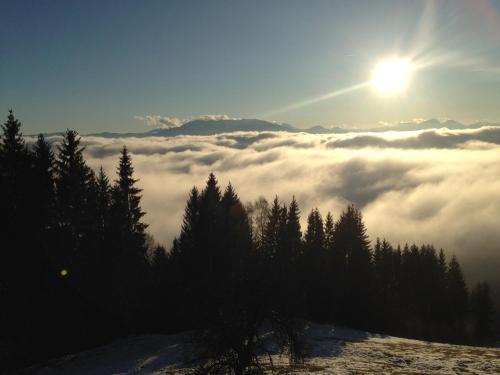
(392, 75)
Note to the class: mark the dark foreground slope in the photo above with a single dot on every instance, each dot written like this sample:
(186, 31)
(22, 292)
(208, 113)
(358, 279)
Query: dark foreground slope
(328, 350)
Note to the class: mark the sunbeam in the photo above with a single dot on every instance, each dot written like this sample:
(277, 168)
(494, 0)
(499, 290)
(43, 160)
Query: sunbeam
(318, 99)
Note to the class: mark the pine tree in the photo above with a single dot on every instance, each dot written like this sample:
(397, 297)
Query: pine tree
(191, 218)
(398, 310)
(283, 256)
(15, 168)
(103, 256)
(482, 311)
(18, 204)
(13, 144)
(315, 236)
(331, 277)
(385, 285)
(457, 298)
(275, 259)
(236, 235)
(187, 262)
(188, 246)
(377, 257)
(126, 211)
(270, 238)
(443, 267)
(354, 255)
(439, 292)
(293, 232)
(17, 289)
(103, 202)
(127, 199)
(317, 291)
(129, 246)
(73, 181)
(329, 233)
(43, 212)
(43, 160)
(209, 207)
(160, 273)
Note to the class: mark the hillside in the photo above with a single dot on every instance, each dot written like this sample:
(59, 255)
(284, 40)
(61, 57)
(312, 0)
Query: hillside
(329, 350)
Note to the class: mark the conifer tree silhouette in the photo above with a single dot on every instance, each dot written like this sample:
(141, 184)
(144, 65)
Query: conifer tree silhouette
(482, 309)
(126, 200)
(43, 160)
(351, 242)
(457, 298)
(128, 248)
(103, 203)
(73, 182)
(315, 259)
(270, 238)
(15, 183)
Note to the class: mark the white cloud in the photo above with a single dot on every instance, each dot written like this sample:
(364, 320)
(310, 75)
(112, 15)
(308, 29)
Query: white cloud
(157, 121)
(214, 117)
(436, 186)
(166, 122)
(416, 120)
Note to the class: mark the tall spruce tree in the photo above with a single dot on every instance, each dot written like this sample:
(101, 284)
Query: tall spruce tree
(128, 249)
(12, 148)
(329, 233)
(17, 289)
(354, 252)
(315, 235)
(332, 281)
(293, 232)
(186, 262)
(482, 311)
(103, 203)
(73, 182)
(43, 160)
(457, 298)
(385, 285)
(441, 292)
(189, 243)
(317, 283)
(15, 170)
(270, 238)
(209, 228)
(126, 201)
(282, 249)
(236, 235)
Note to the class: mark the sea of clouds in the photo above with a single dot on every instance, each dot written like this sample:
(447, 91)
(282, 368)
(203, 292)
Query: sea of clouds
(435, 186)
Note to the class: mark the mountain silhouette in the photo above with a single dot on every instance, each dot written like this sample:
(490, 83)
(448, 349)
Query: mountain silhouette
(211, 127)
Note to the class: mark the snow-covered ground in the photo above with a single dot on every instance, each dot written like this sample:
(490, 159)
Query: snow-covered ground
(329, 350)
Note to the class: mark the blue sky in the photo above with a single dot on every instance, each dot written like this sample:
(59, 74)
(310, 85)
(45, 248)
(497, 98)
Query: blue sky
(94, 66)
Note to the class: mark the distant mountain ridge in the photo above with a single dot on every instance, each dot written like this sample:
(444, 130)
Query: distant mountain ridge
(212, 127)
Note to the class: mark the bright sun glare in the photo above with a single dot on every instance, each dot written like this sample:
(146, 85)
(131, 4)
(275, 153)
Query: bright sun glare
(392, 75)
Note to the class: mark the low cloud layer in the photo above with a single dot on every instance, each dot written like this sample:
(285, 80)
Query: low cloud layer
(438, 186)
(166, 122)
(441, 138)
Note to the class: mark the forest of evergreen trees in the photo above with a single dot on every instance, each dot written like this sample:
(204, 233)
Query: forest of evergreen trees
(78, 269)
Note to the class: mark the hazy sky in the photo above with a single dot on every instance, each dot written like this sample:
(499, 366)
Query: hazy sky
(95, 65)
